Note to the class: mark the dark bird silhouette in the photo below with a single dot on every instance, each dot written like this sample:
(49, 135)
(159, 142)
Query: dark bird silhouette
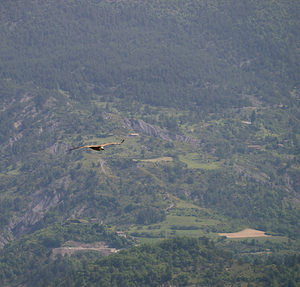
(98, 147)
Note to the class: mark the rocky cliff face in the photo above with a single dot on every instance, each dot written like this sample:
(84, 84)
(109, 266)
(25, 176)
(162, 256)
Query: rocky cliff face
(41, 201)
(155, 131)
(29, 131)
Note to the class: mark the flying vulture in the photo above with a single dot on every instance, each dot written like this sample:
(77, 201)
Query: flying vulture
(98, 147)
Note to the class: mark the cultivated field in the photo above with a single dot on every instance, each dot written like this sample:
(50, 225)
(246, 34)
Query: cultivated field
(245, 234)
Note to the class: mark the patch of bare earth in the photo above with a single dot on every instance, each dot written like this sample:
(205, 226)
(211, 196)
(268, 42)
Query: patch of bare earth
(70, 247)
(245, 233)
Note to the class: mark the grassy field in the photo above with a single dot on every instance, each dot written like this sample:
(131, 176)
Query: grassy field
(198, 161)
(155, 160)
(183, 219)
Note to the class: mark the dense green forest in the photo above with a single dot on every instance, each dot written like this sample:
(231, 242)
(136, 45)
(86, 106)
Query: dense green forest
(178, 261)
(206, 96)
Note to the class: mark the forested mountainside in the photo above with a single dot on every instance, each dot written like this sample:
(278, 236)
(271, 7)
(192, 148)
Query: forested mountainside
(177, 262)
(205, 54)
(206, 96)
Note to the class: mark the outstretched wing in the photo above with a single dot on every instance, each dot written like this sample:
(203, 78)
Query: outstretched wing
(86, 146)
(97, 147)
(113, 143)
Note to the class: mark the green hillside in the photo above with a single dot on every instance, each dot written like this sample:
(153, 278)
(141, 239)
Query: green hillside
(180, 262)
(206, 96)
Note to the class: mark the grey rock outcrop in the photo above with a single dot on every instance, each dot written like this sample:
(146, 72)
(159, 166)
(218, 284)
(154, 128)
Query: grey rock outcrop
(155, 131)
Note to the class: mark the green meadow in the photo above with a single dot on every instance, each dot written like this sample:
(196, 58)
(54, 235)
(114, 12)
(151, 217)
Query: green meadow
(199, 161)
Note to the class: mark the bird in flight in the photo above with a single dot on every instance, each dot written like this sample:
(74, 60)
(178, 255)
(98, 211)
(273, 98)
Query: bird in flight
(98, 147)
